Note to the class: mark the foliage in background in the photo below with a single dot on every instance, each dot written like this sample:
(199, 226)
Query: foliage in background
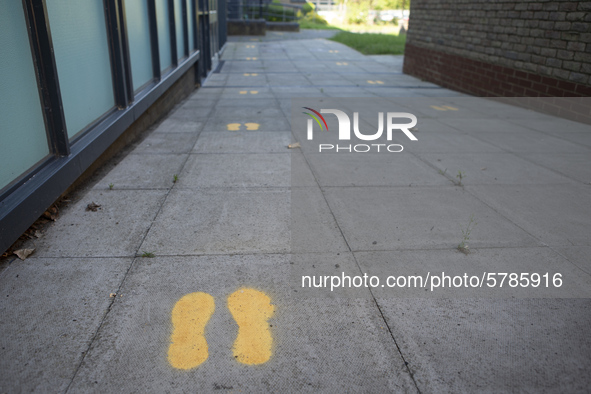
(357, 12)
(380, 4)
(308, 7)
(275, 12)
(314, 21)
(372, 44)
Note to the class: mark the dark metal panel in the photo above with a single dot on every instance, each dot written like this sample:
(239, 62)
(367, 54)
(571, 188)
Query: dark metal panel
(194, 21)
(204, 40)
(222, 18)
(125, 49)
(172, 25)
(47, 78)
(185, 28)
(154, 38)
(116, 52)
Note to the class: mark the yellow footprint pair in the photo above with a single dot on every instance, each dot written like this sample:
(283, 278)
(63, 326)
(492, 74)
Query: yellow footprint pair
(250, 308)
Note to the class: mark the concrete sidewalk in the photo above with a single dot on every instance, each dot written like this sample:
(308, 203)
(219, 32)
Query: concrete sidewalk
(209, 193)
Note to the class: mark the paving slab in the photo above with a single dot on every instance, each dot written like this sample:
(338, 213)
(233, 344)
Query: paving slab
(247, 79)
(493, 169)
(115, 229)
(276, 123)
(174, 143)
(252, 101)
(51, 309)
(236, 170)
(235, 97)
(440, 273)
(582, 138)
(577, 255)
(266, 112)
(532, 142)
(221, 221)
(571, 165)
(390, 218)
(443, 142)
(144, 171)
(552, 125)
(555, 214)
(482, 345)
(130, 353)
(179, 125)
(373, 169)
(313, 228)
(191, 112)
(243, 142)
(301, 174)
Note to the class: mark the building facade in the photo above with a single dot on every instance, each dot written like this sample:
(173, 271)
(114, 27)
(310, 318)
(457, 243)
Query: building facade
(502, 48)
(77, 75)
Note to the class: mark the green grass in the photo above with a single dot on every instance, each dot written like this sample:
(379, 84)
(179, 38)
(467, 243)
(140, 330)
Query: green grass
(372, 44)
(308, 24)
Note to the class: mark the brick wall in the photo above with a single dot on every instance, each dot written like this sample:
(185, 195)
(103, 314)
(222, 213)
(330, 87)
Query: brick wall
(502, 48)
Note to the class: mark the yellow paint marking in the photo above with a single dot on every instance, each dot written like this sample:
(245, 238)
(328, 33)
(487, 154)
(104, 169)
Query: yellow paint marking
(251, 309)
(188, 347)
(333, 51)
(371, 82)
(444, 108)
(254, 92)
(254, 75)
(250, 46)
(342, 64)
(233, 126)
(379, 82)
(251, 58)
(243, 92)
(252, 126)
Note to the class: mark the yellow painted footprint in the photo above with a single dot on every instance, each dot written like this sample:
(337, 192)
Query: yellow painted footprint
(252, 126)
(188, 348)
(251, 309)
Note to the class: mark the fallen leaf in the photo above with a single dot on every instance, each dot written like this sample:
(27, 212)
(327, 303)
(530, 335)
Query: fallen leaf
(49, 215)
(23, 253)
(92, 207)
(112, 295)
(294, 145)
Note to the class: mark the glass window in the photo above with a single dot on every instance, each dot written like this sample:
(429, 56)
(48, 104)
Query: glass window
(79, 33)
(22, 130)
(178, 23)
(163, 34)
(138, 34)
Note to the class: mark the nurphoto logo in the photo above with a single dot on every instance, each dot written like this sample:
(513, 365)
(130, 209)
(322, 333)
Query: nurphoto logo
(344, 131)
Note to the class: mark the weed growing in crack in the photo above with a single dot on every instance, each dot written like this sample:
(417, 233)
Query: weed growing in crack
(463, 246)
(461, 175)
